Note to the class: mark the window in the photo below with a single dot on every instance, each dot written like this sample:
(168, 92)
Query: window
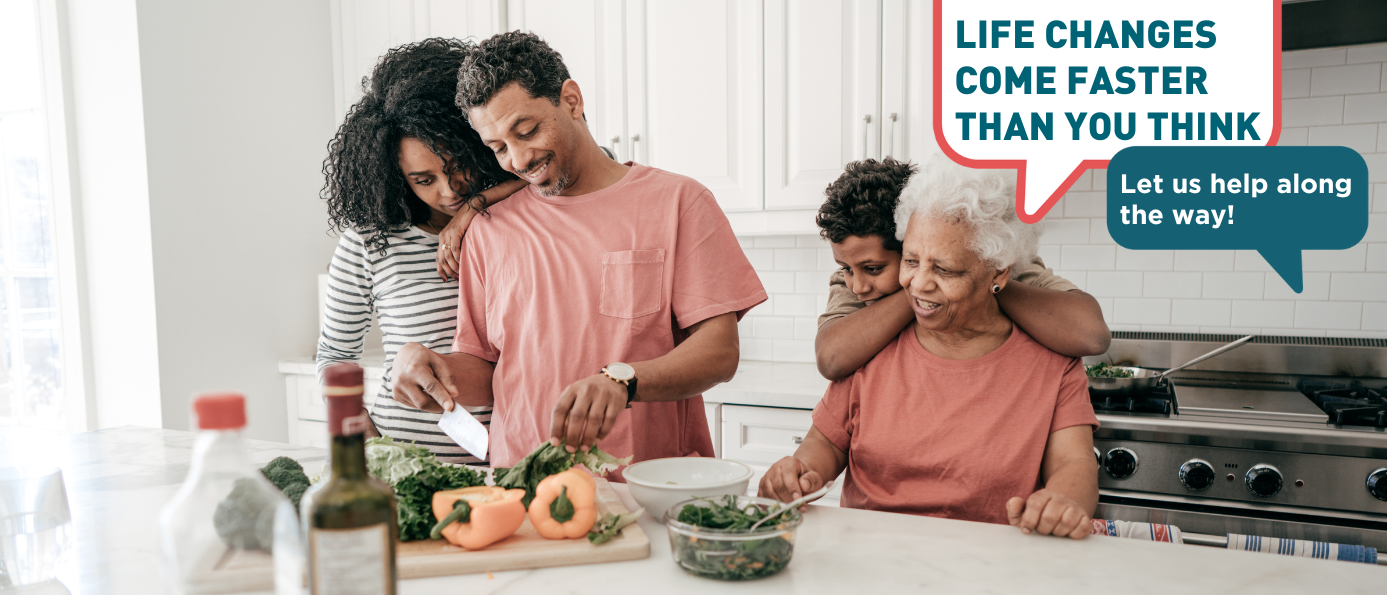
(31, 346)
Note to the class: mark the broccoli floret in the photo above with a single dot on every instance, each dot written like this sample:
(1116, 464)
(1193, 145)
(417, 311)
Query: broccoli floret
(245, 518)
(284, 472)
(295, 493)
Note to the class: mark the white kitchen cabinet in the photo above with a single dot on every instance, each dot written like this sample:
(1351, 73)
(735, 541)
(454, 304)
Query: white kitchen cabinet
(712, 411)
(307, 411)
(760, 436)
(587, 34)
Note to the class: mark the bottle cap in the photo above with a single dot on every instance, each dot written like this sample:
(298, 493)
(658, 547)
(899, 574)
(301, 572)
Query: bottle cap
(220, 411)
(342, 387)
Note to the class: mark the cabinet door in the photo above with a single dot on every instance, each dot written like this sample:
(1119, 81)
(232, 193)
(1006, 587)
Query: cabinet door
(907, 126)
(581, 31)
(694, 93)
(822, 94)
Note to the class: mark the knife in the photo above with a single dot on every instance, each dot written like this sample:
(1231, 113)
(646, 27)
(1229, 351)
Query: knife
(465, 430)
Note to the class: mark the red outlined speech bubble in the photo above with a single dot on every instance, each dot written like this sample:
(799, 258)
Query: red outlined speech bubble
(1052, 89)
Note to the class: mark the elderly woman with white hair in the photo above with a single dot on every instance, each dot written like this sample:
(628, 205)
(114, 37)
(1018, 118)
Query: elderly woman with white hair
(963, 416)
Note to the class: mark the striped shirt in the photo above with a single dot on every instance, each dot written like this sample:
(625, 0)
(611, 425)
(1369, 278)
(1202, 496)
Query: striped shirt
(412, 305)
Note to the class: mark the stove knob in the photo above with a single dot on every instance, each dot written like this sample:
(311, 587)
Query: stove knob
(1377, 483)
(1120, 463)
(1263, 480)
(1197, 474)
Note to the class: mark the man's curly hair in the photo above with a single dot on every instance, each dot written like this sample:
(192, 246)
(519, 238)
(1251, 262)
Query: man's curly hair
(862, 202)
(408, 95)
(510, 57)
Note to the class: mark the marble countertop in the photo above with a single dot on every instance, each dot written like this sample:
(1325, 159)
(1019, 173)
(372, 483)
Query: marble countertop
(118, 479)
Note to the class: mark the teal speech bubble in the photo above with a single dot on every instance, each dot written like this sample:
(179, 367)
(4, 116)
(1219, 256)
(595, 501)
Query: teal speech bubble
(1275, 200)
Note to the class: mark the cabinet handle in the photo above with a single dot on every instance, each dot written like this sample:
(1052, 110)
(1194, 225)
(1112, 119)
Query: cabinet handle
(797, 439)
(635, 138)
(891, 142)
(616, 143)
(866, 125)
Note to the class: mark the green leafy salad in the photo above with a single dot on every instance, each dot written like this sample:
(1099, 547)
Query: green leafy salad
(1103, 370)
(548, 460)
(727, 553)
(414, 474)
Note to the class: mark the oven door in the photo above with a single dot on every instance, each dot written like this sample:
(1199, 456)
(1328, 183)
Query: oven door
(1219, 517)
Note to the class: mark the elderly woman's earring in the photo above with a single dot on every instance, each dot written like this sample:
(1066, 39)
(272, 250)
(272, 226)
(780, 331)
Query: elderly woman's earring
(996, 288)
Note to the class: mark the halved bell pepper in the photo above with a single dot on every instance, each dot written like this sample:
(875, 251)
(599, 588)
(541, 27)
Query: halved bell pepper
(565, 505)
(477, 517)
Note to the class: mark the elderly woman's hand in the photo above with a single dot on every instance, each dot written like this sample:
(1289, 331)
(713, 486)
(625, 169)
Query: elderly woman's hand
(789, 479)
(1049, 512)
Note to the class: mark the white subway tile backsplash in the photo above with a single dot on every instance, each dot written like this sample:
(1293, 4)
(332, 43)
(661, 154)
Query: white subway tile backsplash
(1362, 334)
(1313, 111)
(810, 241)
(746, 242)
(826, 262)
(1144, 260)
(1293, 332)
(1377, 166)
(1089, 258)
(1114, 284)
(1204, 260)
(1229, 330)
(1359, 137)
(1377, 257)
(795, 305)
(1065, 231)
(1141, 311)
(757, 349)
(820, 303)
(1172, 285)
(1078, 278)
(1200, 312)
(1328, 315)
(1250, 313)
(1124, 327)
(1107, 306)
(1293, 137)
(761, 260)
(1086, 204)
(1382, 135)
(1361, 287)
(1376, 52)
(811, 282)
(1295, 83)
(1167, 328)
(775, 241)
(791, 350)
(1250, 260)
(796, 259)
(1100, 180)
(773, 327)
(806, 328)
(1098, 232)
(778, 281)
(1377, 228)
(1315, 286)
(1084, 183)
(1246, 286)
(1309, 58)
(1365, 108)
(1050, 255)
(1375, 316)
(1351, 260)
(1344, 80)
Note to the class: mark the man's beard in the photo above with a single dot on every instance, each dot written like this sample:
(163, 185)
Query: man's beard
(558, 183)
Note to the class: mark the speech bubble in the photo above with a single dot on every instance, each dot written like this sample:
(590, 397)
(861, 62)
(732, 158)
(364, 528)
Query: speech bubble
(984, 117)
(1309, 198)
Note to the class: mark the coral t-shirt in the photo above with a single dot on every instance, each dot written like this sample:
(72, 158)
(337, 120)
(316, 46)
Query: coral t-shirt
(951, 438)
(552, 289)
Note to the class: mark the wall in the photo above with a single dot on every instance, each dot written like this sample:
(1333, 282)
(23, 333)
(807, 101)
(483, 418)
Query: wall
(1330, 97)
(238, 109)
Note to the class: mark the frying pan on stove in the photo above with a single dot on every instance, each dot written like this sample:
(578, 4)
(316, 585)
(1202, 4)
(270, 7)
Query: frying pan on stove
(1143, 380)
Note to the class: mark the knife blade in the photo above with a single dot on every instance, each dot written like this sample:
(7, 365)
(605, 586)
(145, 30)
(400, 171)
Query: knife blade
(465, 430)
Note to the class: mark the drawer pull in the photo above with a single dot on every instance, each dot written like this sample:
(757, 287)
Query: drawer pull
(798, 439)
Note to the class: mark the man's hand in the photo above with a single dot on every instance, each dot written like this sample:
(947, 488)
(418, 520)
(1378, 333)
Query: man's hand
(422, 379)
(586, 412)
(1048, 512)
(450, 243)
(789, 479)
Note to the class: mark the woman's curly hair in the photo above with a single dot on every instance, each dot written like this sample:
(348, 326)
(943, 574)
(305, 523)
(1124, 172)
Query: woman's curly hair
(511, 57)
(408, 95)
(862, 202)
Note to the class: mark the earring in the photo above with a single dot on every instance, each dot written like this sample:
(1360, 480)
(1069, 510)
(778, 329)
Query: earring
(996, 288)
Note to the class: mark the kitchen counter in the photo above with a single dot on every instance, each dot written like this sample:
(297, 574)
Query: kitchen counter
(771, 384)
(118, 479)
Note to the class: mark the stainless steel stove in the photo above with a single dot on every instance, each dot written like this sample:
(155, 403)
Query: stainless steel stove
(1282, 437)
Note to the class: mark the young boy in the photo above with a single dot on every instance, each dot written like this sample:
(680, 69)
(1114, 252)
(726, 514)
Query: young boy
(866, 309)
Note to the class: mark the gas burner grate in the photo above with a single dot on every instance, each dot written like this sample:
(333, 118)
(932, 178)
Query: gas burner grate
(1348, 404)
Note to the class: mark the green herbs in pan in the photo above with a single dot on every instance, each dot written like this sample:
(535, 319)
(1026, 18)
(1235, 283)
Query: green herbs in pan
(716, 556)
(1103, 370)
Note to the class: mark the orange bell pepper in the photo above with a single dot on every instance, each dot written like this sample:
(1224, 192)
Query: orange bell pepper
(477, 517)
(565, 505)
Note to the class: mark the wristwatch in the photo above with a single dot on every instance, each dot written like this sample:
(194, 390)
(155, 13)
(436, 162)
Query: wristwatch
(623, 374)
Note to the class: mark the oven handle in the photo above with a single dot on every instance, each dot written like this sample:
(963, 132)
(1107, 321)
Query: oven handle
(1221, 541)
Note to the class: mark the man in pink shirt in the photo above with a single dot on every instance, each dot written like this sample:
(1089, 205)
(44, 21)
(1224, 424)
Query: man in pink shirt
(601, 287)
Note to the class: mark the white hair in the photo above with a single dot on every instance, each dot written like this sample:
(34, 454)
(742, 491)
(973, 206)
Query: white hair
(983, 199)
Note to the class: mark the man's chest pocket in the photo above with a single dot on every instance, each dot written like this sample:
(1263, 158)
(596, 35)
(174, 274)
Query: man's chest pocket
(632, 283)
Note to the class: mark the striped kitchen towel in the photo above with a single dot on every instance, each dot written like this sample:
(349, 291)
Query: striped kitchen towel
(1134, 530)
(1302, 548)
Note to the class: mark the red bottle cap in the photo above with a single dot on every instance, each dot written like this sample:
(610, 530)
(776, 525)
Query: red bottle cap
(220, 411)
(342, 387)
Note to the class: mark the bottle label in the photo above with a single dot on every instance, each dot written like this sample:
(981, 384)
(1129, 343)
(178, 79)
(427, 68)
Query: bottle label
(351, 561)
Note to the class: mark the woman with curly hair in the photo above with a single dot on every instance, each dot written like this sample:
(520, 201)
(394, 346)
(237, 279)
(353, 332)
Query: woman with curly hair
(404, 170)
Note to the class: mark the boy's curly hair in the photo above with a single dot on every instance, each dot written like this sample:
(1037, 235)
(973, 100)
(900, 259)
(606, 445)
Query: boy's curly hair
(408, 95)
(862, 202)
(510, 57)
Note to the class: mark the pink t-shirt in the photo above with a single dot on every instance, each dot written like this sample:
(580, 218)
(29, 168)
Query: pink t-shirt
(951, 438)
(554, 288)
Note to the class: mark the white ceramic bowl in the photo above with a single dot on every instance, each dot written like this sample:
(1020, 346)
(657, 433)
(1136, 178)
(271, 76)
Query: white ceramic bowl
(659, 483)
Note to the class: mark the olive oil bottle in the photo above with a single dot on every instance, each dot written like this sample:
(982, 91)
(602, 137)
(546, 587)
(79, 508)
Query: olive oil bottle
(351, 520)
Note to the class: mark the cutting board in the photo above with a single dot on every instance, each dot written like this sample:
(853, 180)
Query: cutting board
(526, 549)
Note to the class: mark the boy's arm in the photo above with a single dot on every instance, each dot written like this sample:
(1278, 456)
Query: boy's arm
(843, 345)
(1068, 322)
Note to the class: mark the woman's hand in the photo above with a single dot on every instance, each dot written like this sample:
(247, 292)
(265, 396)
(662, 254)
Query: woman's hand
(1048, 512)
(450, 243)
(789, 479)
(423, 380)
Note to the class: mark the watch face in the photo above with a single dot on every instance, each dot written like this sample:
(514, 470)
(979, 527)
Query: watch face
(621, 371)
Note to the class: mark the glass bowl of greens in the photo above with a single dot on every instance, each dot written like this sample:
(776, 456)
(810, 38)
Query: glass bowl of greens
(711, 537)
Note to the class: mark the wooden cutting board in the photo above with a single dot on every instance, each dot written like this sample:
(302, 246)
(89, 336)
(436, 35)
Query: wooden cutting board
(526, 549)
